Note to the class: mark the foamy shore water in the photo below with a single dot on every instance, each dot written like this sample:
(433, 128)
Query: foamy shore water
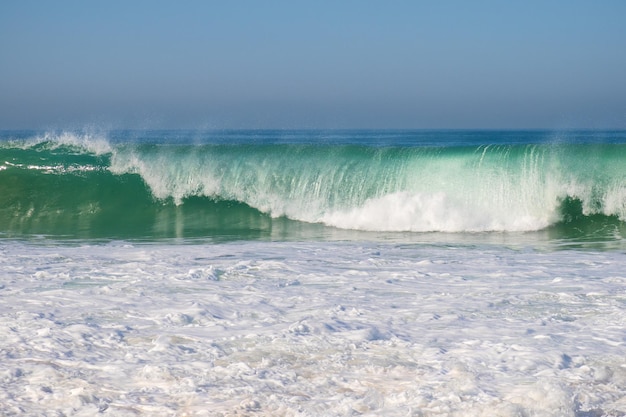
(310, 329)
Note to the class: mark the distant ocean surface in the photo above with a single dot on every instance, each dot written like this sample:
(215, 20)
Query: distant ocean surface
(313, 273)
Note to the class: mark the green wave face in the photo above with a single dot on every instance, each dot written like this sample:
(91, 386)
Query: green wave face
(81, 187)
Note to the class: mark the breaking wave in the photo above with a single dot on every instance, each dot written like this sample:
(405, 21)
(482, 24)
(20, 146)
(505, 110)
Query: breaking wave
(69, 184)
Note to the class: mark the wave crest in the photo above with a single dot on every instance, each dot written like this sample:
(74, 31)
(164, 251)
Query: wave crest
(90, 143)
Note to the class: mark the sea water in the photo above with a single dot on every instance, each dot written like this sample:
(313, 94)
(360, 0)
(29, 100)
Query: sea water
(313, 273)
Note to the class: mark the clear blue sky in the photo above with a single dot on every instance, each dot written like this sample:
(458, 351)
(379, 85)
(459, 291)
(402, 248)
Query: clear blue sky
(314, 64)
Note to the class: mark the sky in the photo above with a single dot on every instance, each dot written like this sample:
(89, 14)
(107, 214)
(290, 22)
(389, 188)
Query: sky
(317, 64)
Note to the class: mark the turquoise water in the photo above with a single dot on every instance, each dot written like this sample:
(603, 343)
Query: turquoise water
(314, 184)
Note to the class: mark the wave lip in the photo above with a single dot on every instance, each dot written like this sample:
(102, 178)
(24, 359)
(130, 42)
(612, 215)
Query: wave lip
(96, 144)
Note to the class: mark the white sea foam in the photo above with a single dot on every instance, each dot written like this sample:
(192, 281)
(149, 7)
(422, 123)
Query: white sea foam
(421, 212)
(262, 328)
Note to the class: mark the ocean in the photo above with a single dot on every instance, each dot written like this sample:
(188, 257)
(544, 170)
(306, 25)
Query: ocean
(313, 273)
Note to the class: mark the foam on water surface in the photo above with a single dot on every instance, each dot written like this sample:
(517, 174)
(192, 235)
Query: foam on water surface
(314, 328)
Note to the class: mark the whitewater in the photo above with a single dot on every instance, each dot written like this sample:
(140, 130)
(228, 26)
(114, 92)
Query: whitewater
(310, 273)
